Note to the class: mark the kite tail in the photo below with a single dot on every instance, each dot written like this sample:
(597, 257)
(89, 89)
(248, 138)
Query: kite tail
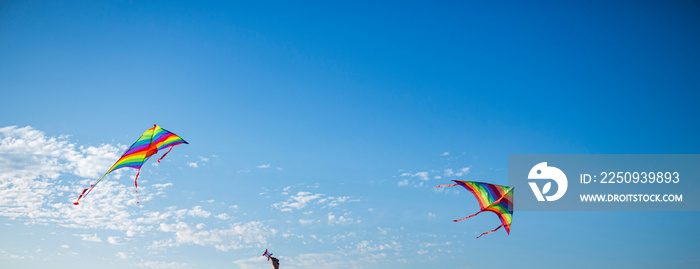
(136, 187)
(458, 220)
(81, 195)
(438, 186)
(161, 157)
(490, 231)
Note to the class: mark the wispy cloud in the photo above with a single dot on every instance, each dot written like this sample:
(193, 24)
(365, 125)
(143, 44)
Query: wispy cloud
(196, 164)
(115, 240)
(299, 201)
(89, 237)
(343, 219)
(165, 265)
(239, 235)
(419, 179)
(303, 199)
(122, 255)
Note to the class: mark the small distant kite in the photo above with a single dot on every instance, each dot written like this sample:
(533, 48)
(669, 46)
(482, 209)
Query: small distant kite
(267, 254)
(495, 198)
(153, 140)
(275, 262)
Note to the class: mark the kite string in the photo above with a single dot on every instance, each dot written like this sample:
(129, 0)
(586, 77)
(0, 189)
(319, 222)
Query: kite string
(89, 189)
(490, 231)
(161, 157)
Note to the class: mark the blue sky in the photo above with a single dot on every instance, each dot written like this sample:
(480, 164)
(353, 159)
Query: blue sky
(318, 130)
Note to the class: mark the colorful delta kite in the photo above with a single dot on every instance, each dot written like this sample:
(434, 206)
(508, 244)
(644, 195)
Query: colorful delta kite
(153, 140)
(494, 198)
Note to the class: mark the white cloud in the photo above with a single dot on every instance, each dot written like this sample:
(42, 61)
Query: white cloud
(321, 260)
(11, 256)
(263, 166)
(419, 179)
(165, 265)
(370, 251)
(409, 179)
(306, 221)
(196, 211)
(428, 245)
(202, 160)
(446, 153)
(115, 240)
(238, 236)
(65, 246)
(449, 172)
(122, 255)
(462, 171)
(419, 175)
(252, 263)
(303, 199)
(383, 231)
(160, 188)
(344, 219)
(222, 216)
(89, 237)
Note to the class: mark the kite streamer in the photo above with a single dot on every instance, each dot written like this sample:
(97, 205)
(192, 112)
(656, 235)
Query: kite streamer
(495, 198)
(153, 140)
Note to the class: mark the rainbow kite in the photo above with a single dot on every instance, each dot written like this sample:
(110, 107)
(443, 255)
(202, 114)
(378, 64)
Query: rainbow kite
(153, 140)
(495, 198)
